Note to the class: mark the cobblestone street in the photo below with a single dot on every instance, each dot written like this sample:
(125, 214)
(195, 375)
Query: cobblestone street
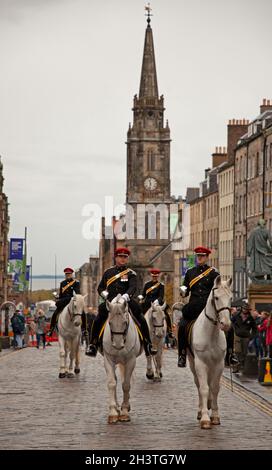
(40, 411)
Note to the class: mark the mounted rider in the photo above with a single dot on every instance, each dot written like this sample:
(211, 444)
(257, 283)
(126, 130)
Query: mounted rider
(67, 289)
(119, 279)
(154, 292)
(199, 282)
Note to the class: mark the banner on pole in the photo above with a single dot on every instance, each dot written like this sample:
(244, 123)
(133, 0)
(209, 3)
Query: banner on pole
(16, 248)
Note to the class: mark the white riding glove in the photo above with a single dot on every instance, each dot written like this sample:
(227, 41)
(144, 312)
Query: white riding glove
(183, 290)
(125, 297)
(104, 294)
(156, 302)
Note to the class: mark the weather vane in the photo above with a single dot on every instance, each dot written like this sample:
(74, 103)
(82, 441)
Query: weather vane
(148, 9)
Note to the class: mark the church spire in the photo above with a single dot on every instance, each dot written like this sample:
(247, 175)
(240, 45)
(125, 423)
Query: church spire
(148, 84)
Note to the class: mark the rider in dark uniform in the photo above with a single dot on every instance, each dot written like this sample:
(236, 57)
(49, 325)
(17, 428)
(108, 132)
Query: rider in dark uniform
(66, 292)
(199, 282)
(119, 279)
(154, 292)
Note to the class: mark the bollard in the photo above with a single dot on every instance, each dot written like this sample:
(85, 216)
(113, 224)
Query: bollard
(265, 369)
(251, 365)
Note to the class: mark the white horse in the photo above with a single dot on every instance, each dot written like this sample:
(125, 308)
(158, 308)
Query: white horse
(156, 322)
(209, 348)
(121, 346)
(69, 326)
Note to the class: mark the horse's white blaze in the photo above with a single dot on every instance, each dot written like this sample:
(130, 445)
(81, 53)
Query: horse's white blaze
(120, 349)
(69, 326)
(209, 348)
(157, 327)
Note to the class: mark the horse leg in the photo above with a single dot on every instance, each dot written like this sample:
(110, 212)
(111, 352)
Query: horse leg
(202, 374)
(192, 367)
(214, 386)
(112, 384)
(157, 361)
(62, 372)
(127, 372)
(77, 361)
(73, 345)
(149, 370)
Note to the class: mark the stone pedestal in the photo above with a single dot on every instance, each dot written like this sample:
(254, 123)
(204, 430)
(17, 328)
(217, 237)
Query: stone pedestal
(260, 296)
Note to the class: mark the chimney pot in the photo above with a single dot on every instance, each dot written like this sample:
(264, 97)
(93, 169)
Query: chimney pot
(264, 101)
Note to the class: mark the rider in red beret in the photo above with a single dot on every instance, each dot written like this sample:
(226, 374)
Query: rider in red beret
(119, 279)
(199, 282)
(154, 292)
(66, 291)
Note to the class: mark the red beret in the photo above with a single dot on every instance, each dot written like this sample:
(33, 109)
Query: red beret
(201, 250)
(68, 270)
(122, 251)
(154, 271)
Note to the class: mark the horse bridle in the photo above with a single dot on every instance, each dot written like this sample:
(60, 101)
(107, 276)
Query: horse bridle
(124, 333)
(157, 326)
(72, 315)
(217, 311)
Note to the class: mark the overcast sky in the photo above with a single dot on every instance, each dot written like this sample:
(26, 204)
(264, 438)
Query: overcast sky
(69, 70)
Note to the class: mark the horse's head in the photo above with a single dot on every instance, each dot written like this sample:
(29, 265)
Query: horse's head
(118, 321)
(76, 308)
(220, 298)
(157, 318)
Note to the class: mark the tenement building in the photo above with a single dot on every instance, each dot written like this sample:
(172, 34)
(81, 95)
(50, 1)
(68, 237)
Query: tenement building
(4, 228)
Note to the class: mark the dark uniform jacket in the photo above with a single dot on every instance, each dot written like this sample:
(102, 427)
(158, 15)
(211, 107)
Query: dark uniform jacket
(126, 284)
(200, 291)
(65, 295)
(155, 294)
(244, 328)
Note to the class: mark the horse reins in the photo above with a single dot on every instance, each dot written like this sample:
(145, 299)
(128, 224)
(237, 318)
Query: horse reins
(217, 311)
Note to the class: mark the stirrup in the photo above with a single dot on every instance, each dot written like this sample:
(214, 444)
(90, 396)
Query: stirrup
(182, 360)
(91, 351)
(151, 350)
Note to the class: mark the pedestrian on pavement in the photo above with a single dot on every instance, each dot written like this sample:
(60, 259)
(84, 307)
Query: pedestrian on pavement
(266, 327)
(40, 327)
(18, 327)
(245, 329)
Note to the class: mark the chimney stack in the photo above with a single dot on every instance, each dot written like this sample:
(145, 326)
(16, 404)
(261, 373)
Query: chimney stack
(219, 156)
(266, 106)
(236, 128)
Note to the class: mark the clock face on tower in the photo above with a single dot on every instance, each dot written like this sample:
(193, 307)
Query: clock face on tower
(150, 183)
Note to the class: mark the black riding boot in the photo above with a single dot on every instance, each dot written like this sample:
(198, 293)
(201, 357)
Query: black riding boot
(96, 328)
(149, 350)
(53, 321)
(182, 343)
(168, 323)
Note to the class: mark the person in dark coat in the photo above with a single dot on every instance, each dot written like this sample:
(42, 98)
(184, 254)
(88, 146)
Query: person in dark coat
(154, 292)
(198, 281)
(119, 279)
(67, 289)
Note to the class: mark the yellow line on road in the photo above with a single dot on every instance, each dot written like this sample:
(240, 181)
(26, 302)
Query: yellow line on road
(267, 409)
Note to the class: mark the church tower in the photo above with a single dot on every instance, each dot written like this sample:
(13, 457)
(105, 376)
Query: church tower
(148, 174)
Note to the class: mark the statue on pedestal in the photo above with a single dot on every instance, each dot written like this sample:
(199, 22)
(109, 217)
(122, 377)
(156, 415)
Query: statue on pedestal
(259, 249)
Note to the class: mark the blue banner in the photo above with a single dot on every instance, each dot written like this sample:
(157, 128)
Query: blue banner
(16, 247)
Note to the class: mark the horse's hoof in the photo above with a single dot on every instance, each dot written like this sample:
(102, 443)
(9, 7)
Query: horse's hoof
(62, 375)
(205, 425)
(77, 371)
(124, 418)
(198, 415)
(156, 379)
(160, 375)
(149, 376)
(70, 375)
(215, 420)
(113, 419)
